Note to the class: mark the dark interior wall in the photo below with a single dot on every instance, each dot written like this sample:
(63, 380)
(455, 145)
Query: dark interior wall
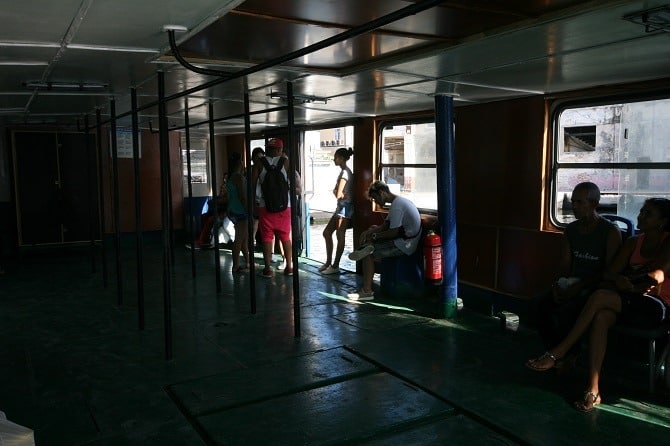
(499, 182)
(150, 192)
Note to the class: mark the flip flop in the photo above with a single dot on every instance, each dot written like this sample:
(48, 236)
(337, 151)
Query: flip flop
(532, 363)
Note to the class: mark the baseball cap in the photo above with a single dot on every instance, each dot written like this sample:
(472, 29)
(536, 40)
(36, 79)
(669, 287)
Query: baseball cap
(276, 143)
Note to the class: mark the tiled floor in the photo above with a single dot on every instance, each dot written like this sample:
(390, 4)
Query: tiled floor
(76, 369)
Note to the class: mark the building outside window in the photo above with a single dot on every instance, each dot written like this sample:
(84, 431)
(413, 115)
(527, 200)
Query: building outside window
(199, 160)
(407, 161)
(622, 146)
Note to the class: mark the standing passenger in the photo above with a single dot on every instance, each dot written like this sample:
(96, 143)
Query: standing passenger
(341, 218)
(237, 211)
(589, 245)
(399, 235)
(256, 156)
(278, 222)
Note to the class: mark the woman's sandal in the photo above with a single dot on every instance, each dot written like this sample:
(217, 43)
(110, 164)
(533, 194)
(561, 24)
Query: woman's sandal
(589, 402)
(533, 363)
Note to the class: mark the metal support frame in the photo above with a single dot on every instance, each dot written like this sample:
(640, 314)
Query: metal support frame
(139, 247)
(294, 223)
(89, 194)
(250, 202)
(166, 196)
(101, 196)
(190, 186)
(117, 209)
(215, 196)
(165, 172)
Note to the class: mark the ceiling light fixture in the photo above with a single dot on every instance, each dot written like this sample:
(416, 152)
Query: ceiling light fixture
(304, 99)
(79, 86)
(654, 19)
(23, 63)
(120, 49)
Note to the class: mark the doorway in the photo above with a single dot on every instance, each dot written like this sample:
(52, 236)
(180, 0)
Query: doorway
(56, 187)
(320, 175)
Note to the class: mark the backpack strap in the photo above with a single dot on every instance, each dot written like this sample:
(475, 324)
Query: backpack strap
(266, 164)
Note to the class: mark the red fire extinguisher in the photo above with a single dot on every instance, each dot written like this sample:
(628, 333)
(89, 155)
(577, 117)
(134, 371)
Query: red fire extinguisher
(432, 258)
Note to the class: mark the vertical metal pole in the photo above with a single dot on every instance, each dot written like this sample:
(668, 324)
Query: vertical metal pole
(215, 195)
(117, 209)
(293, 157)
(101, 194)
(89, 192)
(139, 248)
(446, 200)
(187, 129)
(168, 185)
(165, 172)
(251, 192)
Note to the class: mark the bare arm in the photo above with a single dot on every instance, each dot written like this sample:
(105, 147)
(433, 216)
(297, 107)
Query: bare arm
(366, 236)
(339, 189)
(241, 192)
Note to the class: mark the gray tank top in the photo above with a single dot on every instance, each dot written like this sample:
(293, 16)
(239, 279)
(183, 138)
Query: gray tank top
(589, 251)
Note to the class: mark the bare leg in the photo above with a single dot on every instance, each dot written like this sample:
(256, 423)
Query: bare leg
(368, 271)
(328, 237)
(598, 301)
(602, 322)
(236, 248)
(267, 253)
(342, 225)
(240, 244)
(288, 253)
(282, 253)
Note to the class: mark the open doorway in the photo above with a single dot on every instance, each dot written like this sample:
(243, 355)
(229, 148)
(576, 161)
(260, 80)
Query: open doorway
(319, 178)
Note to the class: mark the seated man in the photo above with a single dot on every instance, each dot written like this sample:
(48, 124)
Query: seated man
(399, 235)
(589, 244)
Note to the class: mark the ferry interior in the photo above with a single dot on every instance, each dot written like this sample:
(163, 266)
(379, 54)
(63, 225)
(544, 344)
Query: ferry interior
(115, 333)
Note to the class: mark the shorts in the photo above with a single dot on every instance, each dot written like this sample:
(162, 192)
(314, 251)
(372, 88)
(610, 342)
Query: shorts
(385, 249)
(642, 310)
(236, 218)
(344, 210)
(272, 223)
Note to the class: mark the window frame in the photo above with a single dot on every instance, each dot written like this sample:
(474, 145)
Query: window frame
(557, 108)
(379, 165)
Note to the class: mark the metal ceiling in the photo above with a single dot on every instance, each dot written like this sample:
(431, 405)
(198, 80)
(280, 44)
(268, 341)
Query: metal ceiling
(477, 50)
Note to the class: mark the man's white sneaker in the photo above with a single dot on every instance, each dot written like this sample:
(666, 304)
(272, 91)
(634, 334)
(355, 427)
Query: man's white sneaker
(361, 295)
(361, 253)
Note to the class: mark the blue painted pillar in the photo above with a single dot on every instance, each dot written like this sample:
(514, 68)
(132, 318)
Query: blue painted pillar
(446, 200)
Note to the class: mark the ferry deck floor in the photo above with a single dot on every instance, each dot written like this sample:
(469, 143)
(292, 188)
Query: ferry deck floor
(75, 368)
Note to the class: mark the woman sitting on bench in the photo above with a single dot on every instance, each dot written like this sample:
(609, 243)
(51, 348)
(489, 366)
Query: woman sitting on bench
(633, 294)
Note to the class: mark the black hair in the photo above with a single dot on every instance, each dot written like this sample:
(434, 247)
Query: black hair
(234, 161)
(663, 207)
(344, 152)
(378, 186)
(257, 151)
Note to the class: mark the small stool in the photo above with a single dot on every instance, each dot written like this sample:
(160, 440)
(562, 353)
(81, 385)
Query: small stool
(402, 275)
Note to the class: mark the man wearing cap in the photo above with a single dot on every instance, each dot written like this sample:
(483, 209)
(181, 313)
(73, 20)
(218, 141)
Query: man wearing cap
(273, 223)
